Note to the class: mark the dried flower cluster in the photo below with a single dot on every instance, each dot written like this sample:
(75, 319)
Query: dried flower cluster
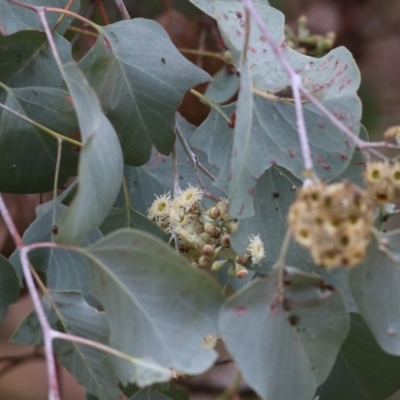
(333, 221)
(383, 181)
(204, 234)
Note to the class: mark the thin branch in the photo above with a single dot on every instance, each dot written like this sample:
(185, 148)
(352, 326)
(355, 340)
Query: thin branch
(195, 164)
(296, 84)
(103, 12)
(107, 349)
(53, 390)
(203, 53)
(209, 102)
(83, 31)
(40, 126)
(122, 9)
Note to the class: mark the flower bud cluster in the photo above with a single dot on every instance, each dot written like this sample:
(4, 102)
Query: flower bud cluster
(383, 181)
(204, 234)
(333, 221)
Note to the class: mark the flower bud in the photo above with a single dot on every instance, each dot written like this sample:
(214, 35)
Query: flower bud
(241, 272)
(214, 212)
(242, 260)
(226, 240)
(217, 265)
(208, 250)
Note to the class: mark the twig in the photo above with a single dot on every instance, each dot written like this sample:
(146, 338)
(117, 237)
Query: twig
(195, 164)
(53, 391)
(40, 126)
(202, 53)
(296, 84)
(82, 31)
(122, 9)
(208, 101)
(297, 87)
(103, 12)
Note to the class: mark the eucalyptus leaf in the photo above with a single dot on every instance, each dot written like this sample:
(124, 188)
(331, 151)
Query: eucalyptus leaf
(140, 78)
(207, 6)
(9, 287)
(149, 393)
(63, 269)
(223, 87)
(374, 286)
(90, 366)
(14, 17)
(30, 166)
(285, 341)
(362, 371)
(272, 138)
(127, 217)
(27, 60)
(100, 164)
(164, 305)
(156, 177)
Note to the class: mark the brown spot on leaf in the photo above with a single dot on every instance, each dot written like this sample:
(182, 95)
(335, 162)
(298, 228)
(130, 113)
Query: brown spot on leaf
(240, 310)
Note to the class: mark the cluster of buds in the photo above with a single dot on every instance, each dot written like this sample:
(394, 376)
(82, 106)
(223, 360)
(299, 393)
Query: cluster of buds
(309, 43)
(383, 181)
(204, 234)
(333, 221)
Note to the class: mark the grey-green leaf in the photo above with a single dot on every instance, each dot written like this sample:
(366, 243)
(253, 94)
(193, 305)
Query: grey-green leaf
(27, 60)
(90, 366)
(273, 137)
(374, 285)
(285, 344)
(127, 217)
(100, 164)
(223, 87)
(30, 166)
(140, 78)
(9, 287)
(362, 371)
(64, 269)
(14, 18)
(149, 393)
(207, 6)
(158, 305)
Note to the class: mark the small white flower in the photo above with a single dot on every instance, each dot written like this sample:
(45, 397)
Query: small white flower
(256, 249)
(189, 197)
(160, 208)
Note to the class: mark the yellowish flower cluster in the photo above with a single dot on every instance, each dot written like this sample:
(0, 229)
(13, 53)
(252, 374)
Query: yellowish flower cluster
(393, 132)
(383, 181)
(204, 234)
(333, 221)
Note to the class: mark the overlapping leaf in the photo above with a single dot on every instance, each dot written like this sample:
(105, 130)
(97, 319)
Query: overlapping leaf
(9, 287)
(141, 82)
(127, 217)
(207, 6)
(285, 346)
(90, 366)
(362, 371)
(374, 285)
(27, 60)
(14, 18)
(158, 306)
(272, 137)
(156, 177)
(149, 393)
(64, 269)
(100, 164)
(27, 153)
(223, 87)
